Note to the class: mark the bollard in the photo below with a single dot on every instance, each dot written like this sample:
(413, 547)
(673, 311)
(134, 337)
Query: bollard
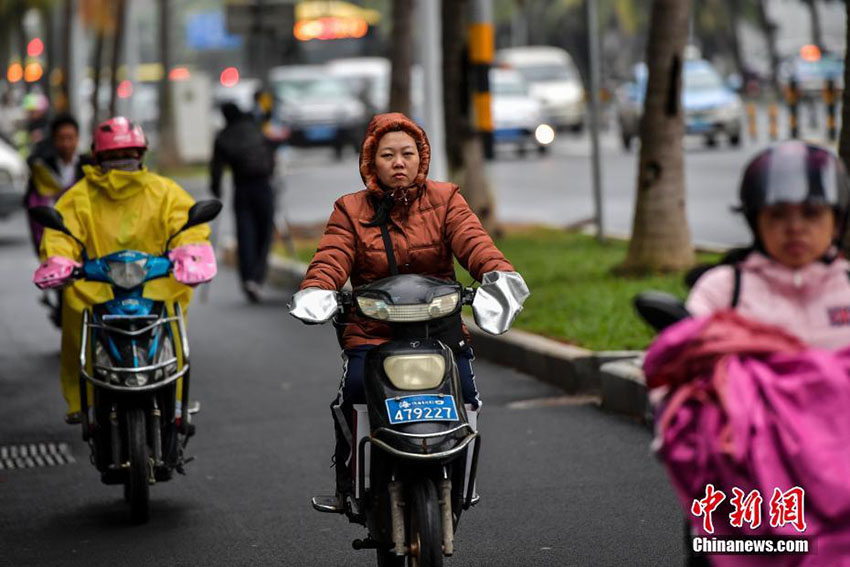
(773, 120)
(792, 96)
(752, 121)
(481, 50)
(829, 97)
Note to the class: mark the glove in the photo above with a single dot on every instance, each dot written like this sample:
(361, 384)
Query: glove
(193, 264)
(55, 272)
(314, 305)
(498, 301)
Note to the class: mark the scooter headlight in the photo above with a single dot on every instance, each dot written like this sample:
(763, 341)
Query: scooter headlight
(437, 308)
(128, 274)
(415, 371)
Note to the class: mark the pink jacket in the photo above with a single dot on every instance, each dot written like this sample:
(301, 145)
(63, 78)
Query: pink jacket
(753, 407)
(813, 303)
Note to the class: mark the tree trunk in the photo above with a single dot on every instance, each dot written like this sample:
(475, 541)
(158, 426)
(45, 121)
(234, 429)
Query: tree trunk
(98, 63)
(769, 29)
(464, 149)
(117, 45)
(817, 29)
(455, 91)
(166, 152)
(402, 56)
(660, 235)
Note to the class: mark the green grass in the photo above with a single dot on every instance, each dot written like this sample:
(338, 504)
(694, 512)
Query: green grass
(574, 295)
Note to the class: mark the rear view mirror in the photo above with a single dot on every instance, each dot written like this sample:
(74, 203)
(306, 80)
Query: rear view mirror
(660, 309)
(201, 212)
(49, 217)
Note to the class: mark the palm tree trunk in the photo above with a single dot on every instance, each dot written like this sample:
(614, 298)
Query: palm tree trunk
(67, 55)
(402, 56)
(455, 92)
(733, 9)
(117, 45)
(660, 235)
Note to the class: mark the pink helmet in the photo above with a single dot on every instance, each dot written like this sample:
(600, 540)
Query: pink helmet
(117, 134)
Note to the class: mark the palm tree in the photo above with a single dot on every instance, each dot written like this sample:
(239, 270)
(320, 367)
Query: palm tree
(117, 44)
(402, 56)
(660, 235)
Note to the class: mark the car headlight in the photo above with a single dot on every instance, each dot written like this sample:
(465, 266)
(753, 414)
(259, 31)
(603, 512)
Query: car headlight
(544, 134)
(415, 371)
(127, 274)
(378, 309)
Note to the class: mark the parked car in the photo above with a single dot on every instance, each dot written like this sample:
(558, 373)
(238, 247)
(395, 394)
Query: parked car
(13, 179)
(517, 117)
(553, 80)
(711, 107)
(319, 109)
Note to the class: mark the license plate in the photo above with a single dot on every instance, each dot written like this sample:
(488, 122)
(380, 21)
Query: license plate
(320, 133)
(423, 407)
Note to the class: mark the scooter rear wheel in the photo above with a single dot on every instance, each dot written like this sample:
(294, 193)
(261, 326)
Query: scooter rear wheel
(426, 532)
(137, 488)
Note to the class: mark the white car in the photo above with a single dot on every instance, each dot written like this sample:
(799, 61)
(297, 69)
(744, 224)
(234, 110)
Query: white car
(553, 80)
(517, 116)
(13, 180)
(369, 77)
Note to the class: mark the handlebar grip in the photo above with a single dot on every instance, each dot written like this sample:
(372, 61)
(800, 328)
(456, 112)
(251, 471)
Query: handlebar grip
(468, 295)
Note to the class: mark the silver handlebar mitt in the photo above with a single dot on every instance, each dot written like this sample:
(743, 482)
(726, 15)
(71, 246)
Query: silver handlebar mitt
(498, 301)
(314, 305)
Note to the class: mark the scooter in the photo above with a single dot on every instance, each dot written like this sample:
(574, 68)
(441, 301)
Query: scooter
(415, 444)
(134, 422)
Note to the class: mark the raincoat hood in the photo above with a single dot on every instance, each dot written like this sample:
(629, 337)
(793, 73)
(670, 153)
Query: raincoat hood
(382, 124)
(115, 183)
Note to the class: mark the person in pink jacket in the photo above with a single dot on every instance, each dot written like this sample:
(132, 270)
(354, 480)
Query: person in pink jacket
(794, 196)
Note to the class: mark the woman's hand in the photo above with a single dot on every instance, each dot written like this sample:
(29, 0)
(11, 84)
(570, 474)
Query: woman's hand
(55, 272)
(314, 305)
(193, 263)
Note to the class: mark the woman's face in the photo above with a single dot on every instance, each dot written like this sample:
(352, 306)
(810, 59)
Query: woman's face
(796, 234)
(397, 160)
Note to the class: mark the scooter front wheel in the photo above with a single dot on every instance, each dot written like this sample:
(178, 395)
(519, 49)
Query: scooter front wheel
(426, 532)
(137, 488)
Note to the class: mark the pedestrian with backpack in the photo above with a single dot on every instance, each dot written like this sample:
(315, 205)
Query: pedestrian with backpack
(242, 146)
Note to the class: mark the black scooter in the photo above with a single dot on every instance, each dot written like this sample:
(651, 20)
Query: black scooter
(415, 444)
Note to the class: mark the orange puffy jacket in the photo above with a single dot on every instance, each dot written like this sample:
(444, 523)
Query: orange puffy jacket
(428, 228)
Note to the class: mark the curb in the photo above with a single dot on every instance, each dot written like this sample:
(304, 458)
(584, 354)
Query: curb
(614, 378)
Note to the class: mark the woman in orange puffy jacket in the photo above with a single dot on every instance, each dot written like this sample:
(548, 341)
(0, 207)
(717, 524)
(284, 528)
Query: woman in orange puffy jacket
(429, 224)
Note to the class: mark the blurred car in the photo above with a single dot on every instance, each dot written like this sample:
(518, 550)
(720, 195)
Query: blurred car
(711, 108)
(812, 69)
(319, 109)
(517, 117)
(369, 78)
(13, 179)
(553, 80)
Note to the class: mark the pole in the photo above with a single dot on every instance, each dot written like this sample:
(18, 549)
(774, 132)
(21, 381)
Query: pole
(429, 48)
(481, 46)
(593, 50)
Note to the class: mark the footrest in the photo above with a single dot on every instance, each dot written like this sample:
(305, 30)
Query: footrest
(327, 505)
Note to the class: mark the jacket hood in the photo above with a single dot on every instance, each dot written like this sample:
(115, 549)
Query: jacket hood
(117, 184)
(380, 125)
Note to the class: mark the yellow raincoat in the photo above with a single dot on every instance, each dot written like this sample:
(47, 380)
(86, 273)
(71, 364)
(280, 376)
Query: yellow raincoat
(108, 212)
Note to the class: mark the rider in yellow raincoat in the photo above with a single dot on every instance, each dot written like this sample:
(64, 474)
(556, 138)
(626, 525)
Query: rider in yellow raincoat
(118, 205)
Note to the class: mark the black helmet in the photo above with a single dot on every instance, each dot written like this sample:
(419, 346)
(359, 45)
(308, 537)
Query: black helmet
(795, 172)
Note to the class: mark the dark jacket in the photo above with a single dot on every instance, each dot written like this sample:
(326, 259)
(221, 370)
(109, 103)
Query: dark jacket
(241, 146)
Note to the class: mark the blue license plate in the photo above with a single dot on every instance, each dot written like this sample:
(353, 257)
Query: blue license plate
(320, 133)
(423, 407)
(509, 134)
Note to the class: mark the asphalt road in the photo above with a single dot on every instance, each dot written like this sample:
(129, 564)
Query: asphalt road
(562, 484)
